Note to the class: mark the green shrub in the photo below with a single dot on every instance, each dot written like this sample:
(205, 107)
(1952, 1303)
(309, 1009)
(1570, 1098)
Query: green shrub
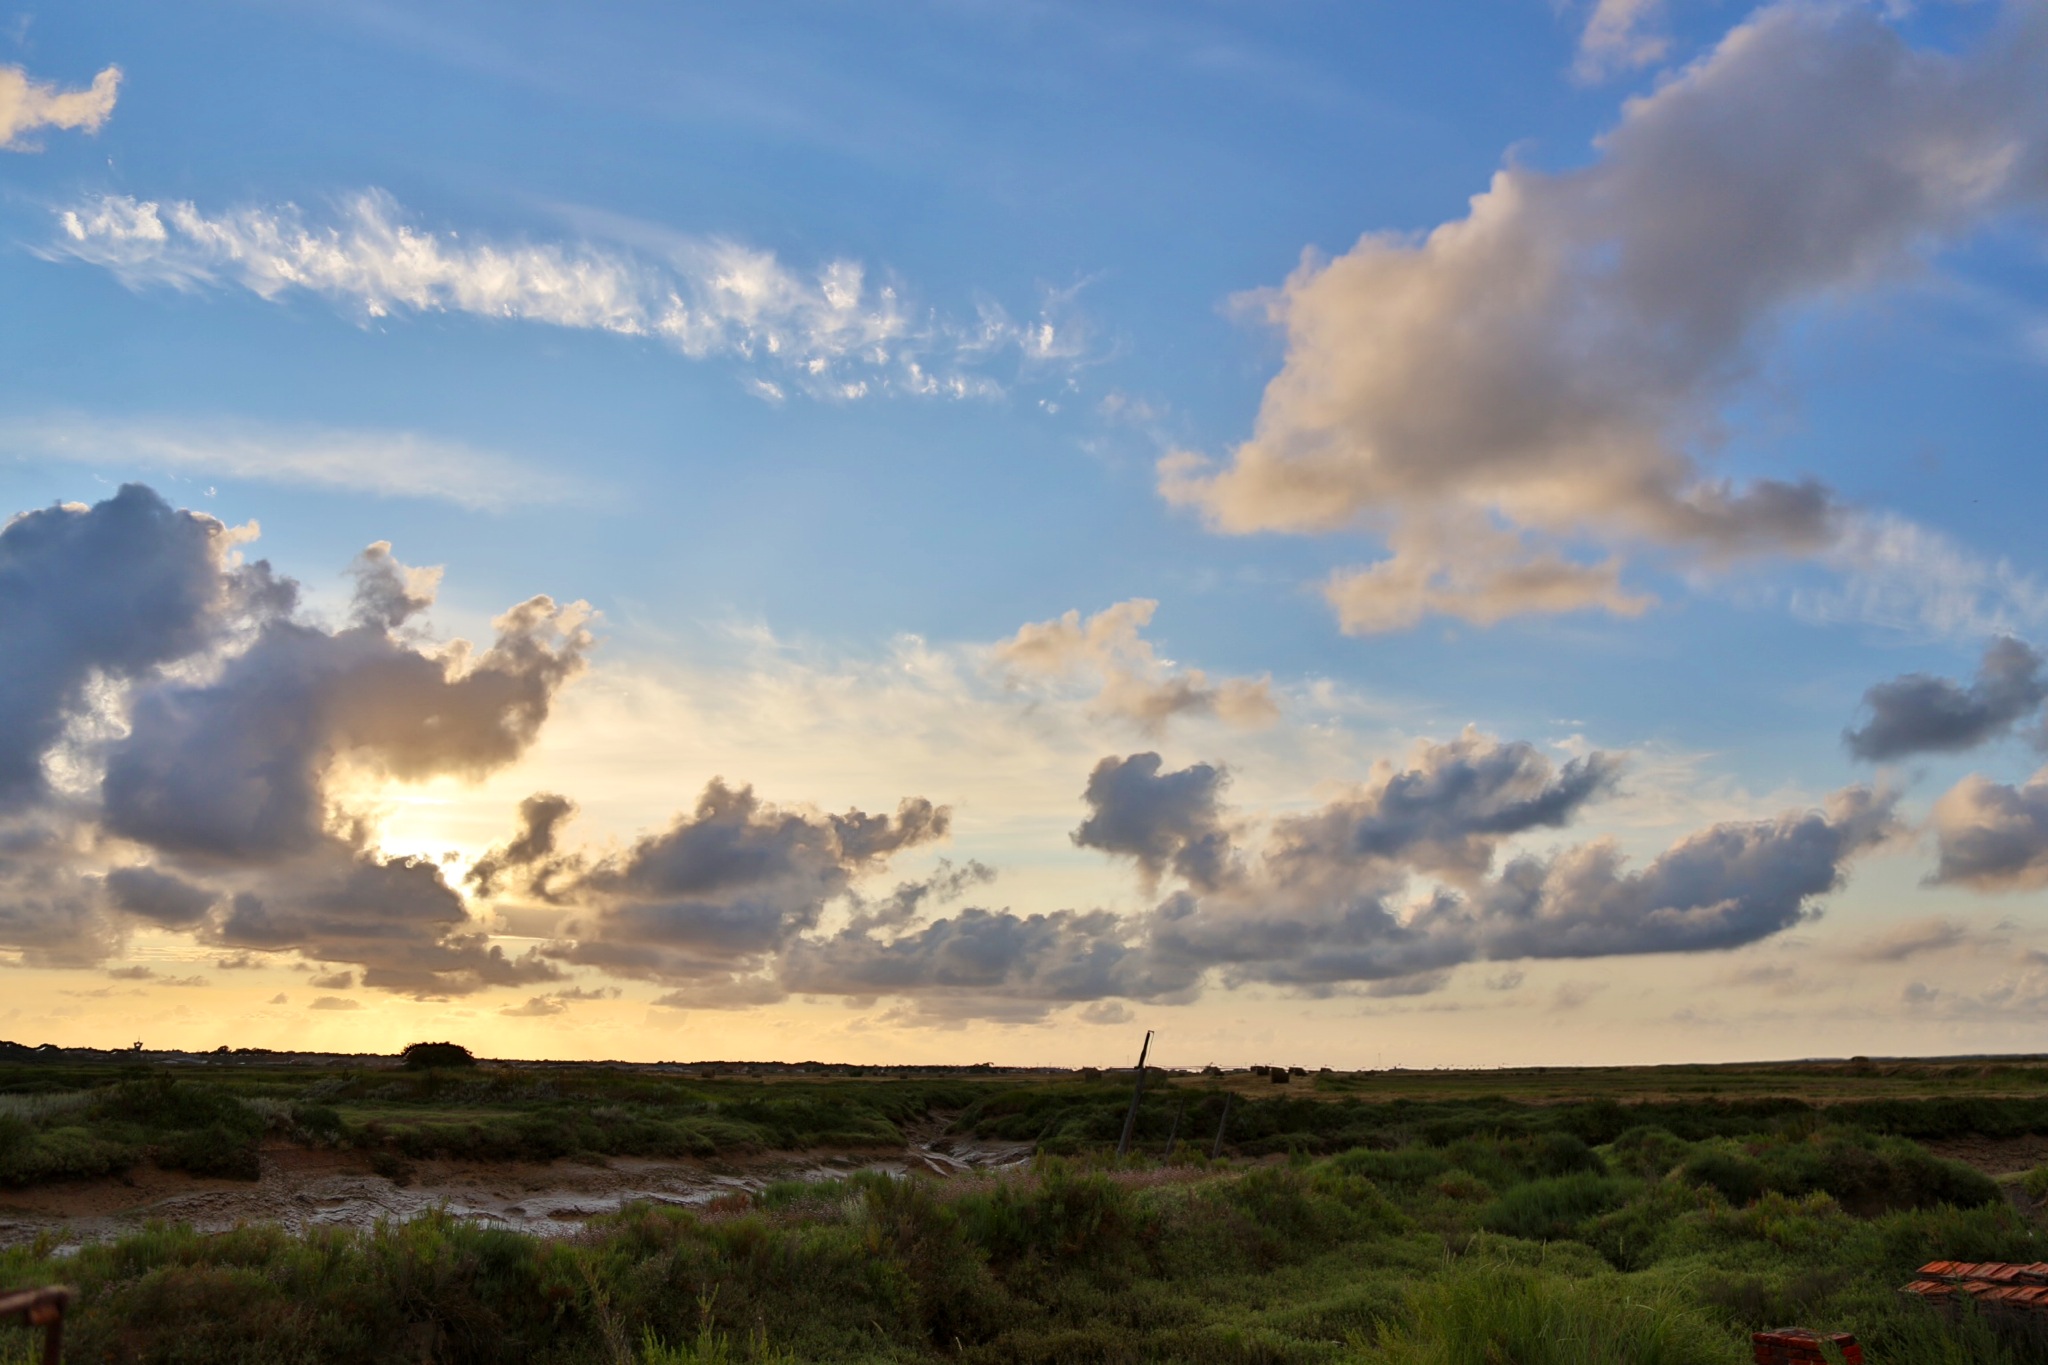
(1405, 1168)
(1548, 1210)
(1493, 1315)
(425, 1056)
(1555, 1154)
(1638, 1234)
(1740, 1180)
(68, 1153)
(1069, 1216)
(1647, 1152)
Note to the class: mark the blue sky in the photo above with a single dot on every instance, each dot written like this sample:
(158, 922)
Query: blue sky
(1681, 366)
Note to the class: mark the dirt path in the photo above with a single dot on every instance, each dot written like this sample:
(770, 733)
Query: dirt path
(300, 1189)
(1993, 1156)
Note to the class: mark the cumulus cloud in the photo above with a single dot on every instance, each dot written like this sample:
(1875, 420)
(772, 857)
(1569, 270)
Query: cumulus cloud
(1385, 890)
(51, 911)
(1722, 887)
(1993, 836)
(1164, 821)
(219, 718)
(1316, 914)
(113, 591)
(28, 105)
(979, 961)
(532, 856)
(1109, 651)
(159, 897)
(1449, 810)
(393, 917)
(1520, 397)
(235, 767)
(833, 333)
(710, 901)
(1920, 713)
(902, 905)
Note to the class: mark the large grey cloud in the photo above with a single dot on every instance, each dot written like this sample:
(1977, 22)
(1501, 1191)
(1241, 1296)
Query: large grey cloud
(394, 917)
(979, 961)
(1993, 836)
(205, 801)
(533, 856)
(1449, 811)
(234, 767)
(1728, 885)
(1164, 821)
(1386, 889)
(1519, 398)
(1446, 813)
(1322, 913)
(727, 886)
(159, 897)
(1920, 713)
(51, 908)
(113, 591)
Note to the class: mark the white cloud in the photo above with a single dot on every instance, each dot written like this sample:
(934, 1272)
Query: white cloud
(1616, 39)
(834, 333)
(387, 463)
(1520, 397)
(1910, 578)
(27, 105)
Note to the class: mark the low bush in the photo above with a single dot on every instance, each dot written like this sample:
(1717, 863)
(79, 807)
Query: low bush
(1553, 1209)
(1493, 1315)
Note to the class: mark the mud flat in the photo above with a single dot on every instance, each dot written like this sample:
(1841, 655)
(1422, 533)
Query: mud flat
(301, 1188)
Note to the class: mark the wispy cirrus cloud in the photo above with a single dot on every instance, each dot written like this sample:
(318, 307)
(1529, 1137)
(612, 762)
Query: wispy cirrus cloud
(832, 333)
(1904, 576)
(397, 464)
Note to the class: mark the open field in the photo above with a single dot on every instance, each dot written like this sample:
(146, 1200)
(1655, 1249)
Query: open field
(665, 1213)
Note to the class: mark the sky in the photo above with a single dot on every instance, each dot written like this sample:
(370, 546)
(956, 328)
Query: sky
(1345, 534)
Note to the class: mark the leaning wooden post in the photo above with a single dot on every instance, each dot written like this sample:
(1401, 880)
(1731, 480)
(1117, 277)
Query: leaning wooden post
(42, 1308)
(1123, 1144)
(1173, 1133)
(1216, 1152)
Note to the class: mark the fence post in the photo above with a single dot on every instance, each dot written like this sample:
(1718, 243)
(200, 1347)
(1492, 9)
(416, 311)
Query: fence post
(1173, 1133)
(1137, 1093)
(1216, 1152)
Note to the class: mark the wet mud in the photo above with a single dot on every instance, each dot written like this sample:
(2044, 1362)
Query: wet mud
(300, 1188)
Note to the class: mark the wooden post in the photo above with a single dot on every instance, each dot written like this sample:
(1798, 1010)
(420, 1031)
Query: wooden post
(1174, 1132)
(1123, 1145)
(42, 1308)
(1216, 1152)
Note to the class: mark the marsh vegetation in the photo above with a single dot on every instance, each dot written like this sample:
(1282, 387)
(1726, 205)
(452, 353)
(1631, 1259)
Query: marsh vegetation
(1341, 1223)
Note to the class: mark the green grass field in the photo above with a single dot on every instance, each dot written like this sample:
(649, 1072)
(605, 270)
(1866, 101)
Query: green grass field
(1498, 1218)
